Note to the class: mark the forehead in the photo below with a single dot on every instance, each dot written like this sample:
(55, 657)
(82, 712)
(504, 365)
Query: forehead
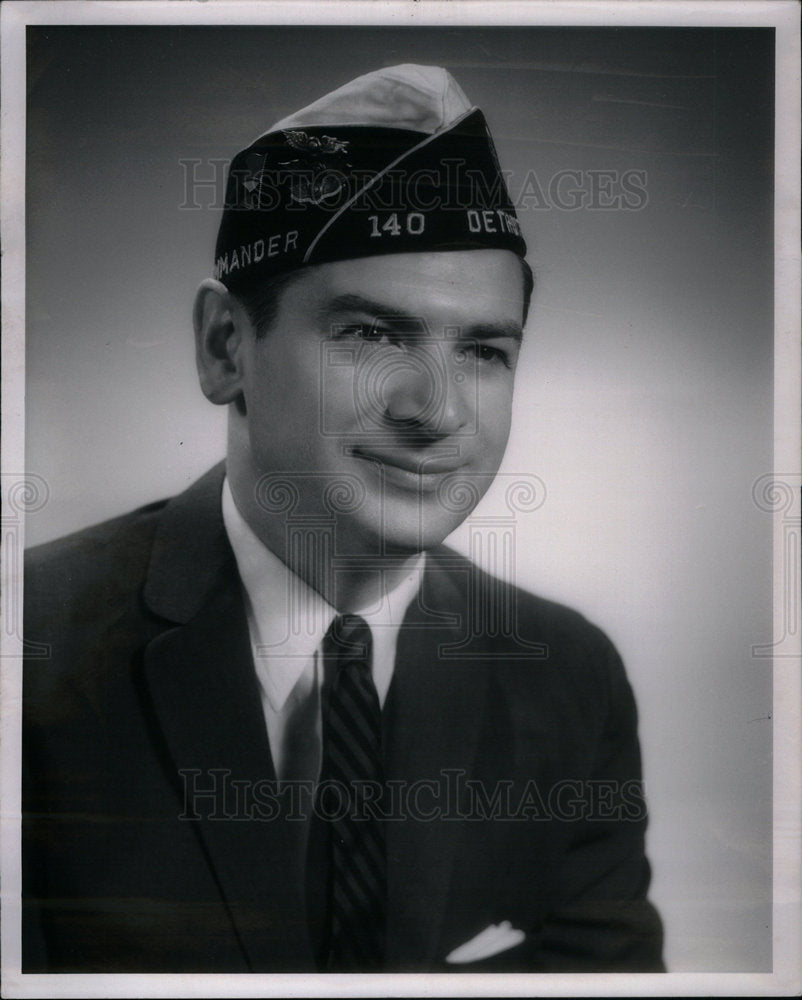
(455, 287)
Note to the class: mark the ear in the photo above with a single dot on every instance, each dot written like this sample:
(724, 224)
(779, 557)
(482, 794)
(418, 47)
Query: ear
(218, 321)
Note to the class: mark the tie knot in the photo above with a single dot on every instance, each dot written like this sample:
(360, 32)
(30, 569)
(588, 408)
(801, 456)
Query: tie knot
(349, 639)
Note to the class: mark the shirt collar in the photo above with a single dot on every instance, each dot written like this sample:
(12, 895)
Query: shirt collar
(289, 619)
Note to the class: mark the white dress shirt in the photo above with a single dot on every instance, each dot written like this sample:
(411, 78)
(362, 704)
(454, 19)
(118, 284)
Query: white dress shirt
(287, 621)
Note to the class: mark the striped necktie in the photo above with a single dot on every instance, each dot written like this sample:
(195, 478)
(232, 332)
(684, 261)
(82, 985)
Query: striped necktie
(349, 798)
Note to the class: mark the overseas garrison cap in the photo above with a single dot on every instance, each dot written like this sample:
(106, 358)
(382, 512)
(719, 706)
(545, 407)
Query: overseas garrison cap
(396, 161)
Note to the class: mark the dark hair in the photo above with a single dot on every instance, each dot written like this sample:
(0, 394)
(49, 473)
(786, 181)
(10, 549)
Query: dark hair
(261, 301)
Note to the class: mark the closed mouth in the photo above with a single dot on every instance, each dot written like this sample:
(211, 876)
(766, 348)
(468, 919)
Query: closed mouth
(423, 466)
(407, 473)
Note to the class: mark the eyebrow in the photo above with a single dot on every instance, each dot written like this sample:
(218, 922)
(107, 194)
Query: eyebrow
(350, 302)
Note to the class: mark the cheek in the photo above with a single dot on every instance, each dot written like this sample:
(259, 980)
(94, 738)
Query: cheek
(343, 405)
(283, 384)
(495, 414)
(278, 411)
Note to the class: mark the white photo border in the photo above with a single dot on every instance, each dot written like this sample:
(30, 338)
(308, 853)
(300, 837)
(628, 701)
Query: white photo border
(784, 16)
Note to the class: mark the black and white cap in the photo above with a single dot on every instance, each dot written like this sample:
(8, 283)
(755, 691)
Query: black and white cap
(396, 161)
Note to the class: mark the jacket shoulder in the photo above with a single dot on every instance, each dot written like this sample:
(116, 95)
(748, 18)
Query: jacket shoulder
(535, 647)
(100, 559)
(535, 615)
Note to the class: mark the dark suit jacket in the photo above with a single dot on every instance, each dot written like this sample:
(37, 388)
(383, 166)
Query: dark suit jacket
(514, 748)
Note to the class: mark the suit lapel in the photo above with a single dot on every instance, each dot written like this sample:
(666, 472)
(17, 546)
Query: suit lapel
(433, 718)
(206, 698)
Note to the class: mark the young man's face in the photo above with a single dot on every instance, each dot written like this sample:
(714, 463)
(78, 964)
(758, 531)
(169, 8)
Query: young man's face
(381, 396)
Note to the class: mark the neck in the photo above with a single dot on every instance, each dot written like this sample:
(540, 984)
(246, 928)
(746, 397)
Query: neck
(354, 590)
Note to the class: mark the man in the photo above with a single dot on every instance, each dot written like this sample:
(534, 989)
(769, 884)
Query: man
(271, 735)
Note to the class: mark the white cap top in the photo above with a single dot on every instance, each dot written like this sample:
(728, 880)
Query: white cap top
(420, 98)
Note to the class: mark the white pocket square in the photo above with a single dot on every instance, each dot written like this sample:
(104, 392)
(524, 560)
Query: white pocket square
(493, 939)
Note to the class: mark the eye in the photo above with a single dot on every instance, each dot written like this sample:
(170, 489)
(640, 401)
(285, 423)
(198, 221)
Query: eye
(343, 331)
(370, 332)
(491, 355)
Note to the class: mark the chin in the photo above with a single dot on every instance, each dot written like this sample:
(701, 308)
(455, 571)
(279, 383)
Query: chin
(402, 537)
(396, 526)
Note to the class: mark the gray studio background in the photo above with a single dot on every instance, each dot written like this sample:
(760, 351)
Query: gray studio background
(644, 397)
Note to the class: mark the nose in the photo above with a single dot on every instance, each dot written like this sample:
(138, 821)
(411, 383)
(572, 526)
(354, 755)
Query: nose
(423, 392)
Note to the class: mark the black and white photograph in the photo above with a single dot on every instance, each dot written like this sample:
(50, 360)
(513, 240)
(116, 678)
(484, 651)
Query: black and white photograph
(400, 491)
